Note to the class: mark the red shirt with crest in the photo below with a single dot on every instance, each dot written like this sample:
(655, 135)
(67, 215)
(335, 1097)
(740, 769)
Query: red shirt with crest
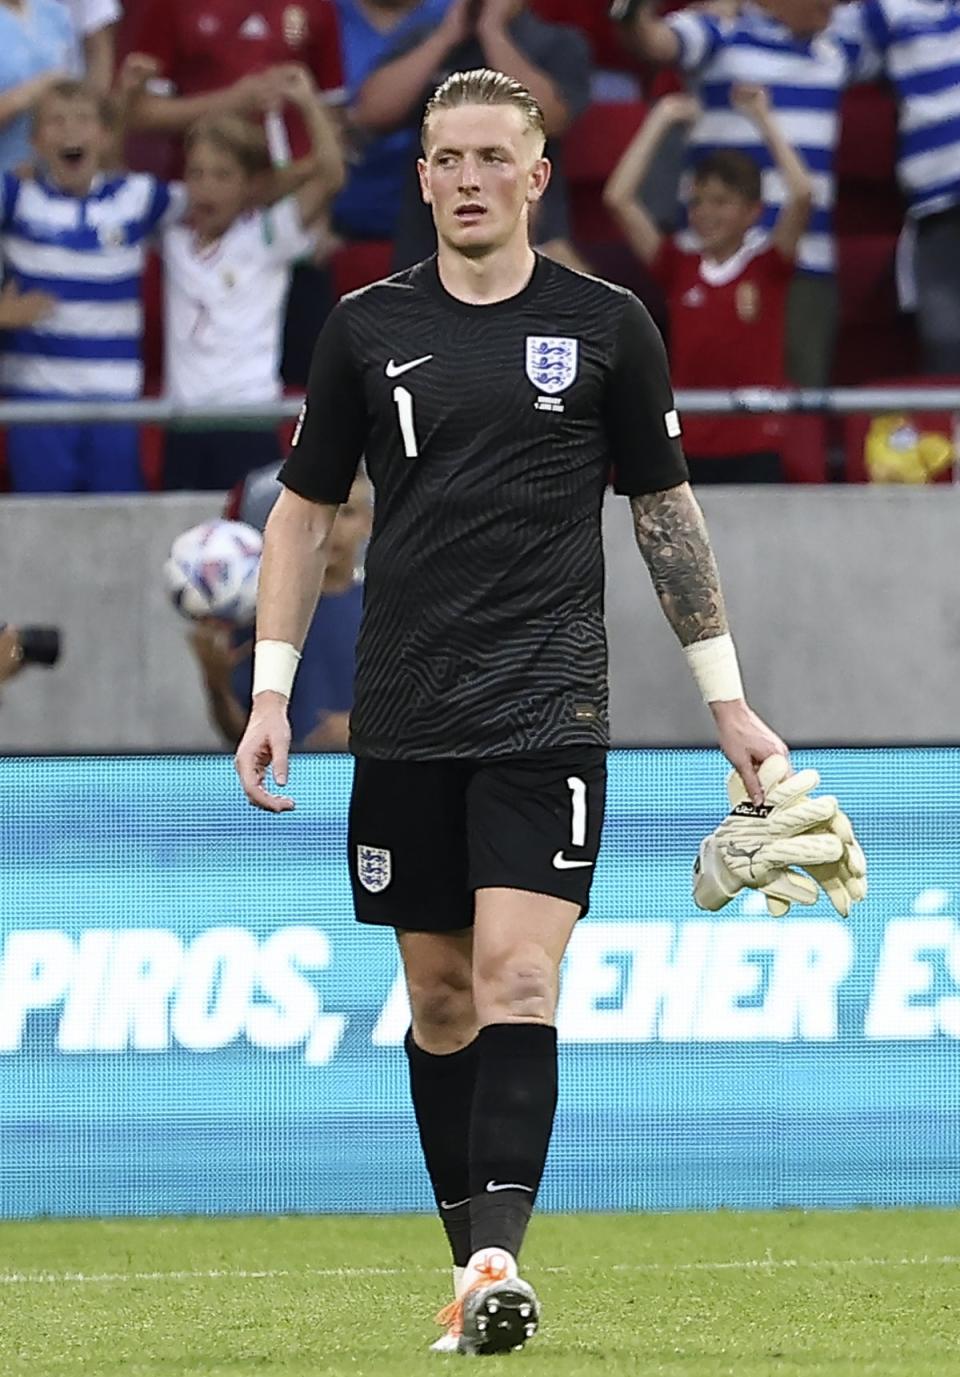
(728, 327)
(204, 45)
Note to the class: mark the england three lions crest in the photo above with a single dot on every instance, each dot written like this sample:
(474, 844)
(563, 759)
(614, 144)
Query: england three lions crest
(374, 868)
(552, 362)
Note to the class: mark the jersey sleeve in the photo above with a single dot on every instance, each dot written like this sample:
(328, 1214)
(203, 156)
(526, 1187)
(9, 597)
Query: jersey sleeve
(700, 36)
(284, 236)
(332, 431)
(643, 429)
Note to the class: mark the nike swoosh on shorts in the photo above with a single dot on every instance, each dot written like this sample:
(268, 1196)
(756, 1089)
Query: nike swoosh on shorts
(560, 862)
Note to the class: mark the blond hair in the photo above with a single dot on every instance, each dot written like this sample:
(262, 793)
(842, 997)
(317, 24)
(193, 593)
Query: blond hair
(241, 140)
(484, 87)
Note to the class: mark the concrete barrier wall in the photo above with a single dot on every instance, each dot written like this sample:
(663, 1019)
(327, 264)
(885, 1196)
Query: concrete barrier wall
(845, 603)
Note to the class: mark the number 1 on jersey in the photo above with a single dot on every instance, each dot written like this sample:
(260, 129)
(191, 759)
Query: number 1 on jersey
(578, 804)
(404, 400)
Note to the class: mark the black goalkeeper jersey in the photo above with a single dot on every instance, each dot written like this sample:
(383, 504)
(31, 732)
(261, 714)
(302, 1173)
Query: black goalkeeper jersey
(489, 433)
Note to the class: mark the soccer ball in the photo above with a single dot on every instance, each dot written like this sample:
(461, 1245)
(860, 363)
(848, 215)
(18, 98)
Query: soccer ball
(212, 571)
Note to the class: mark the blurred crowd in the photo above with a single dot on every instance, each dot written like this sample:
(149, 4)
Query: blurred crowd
(189, 185)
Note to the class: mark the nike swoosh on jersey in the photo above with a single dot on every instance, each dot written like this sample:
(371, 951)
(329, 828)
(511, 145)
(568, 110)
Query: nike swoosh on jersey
(394, 370)
(507, 1186)
(560, 862)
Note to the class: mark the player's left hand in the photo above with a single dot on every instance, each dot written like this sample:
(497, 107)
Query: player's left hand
(844, 880)
(746, 741)
(756, 847)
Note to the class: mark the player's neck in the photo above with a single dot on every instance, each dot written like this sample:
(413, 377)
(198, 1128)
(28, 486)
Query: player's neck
(722, 253)
(483, 281)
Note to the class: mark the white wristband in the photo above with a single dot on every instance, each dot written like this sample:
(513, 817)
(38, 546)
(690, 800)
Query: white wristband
(274, 667)
(713, 664)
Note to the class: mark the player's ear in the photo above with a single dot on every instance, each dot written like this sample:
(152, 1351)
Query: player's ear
(424, 184)
(539, 180)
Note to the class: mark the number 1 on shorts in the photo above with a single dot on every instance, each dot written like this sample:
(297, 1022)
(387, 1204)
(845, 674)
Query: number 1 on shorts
(578, 802)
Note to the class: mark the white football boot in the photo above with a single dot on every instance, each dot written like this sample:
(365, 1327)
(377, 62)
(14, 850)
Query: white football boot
(495, 1310)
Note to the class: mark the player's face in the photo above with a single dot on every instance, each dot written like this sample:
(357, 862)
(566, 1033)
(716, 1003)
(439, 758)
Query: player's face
(802, 16)
(482, 168)
(720, 216)
(71, 139)
(218, 189)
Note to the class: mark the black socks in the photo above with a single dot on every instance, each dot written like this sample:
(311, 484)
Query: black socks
(485, 1116)
(442, 1089)
(513, 1109)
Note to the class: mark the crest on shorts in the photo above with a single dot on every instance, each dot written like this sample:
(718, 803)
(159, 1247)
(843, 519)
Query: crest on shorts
(374, 868)
(552, 362)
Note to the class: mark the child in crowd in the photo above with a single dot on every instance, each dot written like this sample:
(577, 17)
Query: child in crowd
(323, 691)
(728, 300)
(226, 276)
(78, 237)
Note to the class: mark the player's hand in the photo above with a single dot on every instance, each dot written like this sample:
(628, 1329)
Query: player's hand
(20, 310)
(746, 741)
(843, 881)
(260, 91)
(752, 101)
(265, 744)
(756, 847)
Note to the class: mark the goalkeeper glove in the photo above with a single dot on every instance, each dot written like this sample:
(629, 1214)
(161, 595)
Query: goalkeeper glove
(755, 847)
(843, 881)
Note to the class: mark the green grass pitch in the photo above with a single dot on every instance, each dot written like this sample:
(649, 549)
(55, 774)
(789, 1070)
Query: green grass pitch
(750, 1295)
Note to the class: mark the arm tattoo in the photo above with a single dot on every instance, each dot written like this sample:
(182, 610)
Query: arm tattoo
(672, 537)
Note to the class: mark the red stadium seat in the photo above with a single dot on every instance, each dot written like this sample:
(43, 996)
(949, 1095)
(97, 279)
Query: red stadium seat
(591, 151)
(874, 339)
(805, 449)
(868, 200)
(359, 263)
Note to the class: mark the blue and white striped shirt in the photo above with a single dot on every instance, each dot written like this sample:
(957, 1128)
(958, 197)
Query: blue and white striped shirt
(805, 78)
(918, 42)
(87, 252)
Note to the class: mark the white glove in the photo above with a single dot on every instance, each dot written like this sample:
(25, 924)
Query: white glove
(843, 881)
(755, 847)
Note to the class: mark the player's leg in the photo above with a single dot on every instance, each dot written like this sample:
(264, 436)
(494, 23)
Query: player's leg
(534, 836)
(408, 866)
(441, 1054)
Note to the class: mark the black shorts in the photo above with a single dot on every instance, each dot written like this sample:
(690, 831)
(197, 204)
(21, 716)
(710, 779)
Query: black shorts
(425, 835)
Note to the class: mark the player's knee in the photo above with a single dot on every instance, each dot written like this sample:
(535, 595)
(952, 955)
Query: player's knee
(444, 1019)
(520, 985)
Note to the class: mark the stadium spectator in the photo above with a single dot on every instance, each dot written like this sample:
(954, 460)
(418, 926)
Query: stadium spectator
(369, 204)
(36, 42)
(79, 237)
(226, 277)
(918, 45)
(94, 49)
(789, 47)
(227, 57)
(551, 60)
(323, 695)
(728, 300)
